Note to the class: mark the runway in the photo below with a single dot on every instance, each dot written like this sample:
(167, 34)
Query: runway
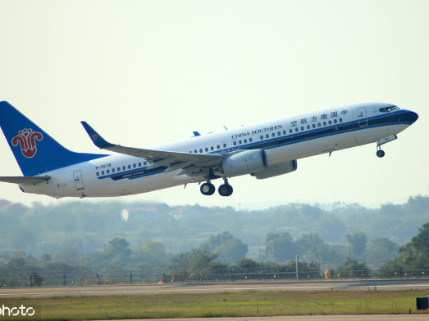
(363, 285)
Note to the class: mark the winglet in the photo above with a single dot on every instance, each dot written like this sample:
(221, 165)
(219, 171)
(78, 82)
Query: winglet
(98, 141)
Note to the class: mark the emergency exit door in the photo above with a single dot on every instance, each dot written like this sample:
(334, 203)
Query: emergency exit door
(78, 182)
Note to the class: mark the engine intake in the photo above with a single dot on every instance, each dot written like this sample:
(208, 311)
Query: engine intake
(247, 162)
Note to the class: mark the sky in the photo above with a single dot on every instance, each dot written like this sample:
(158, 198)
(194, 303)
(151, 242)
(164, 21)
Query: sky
(144, 73)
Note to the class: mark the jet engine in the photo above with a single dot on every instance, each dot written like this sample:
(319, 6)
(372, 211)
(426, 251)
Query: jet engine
(246, 162)
(276, 170)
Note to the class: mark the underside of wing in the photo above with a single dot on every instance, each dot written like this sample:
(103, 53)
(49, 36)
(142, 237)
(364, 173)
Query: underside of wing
(173, 160)
(26, 180)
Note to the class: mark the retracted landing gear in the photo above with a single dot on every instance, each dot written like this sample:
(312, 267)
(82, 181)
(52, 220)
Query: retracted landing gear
(207, 188)
(380, 153)
(225, 189)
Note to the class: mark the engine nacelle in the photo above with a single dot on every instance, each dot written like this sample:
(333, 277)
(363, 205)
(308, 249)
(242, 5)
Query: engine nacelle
(276, 170)
(247, 162)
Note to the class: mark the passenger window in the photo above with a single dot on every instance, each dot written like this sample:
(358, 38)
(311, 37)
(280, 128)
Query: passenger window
(329, 122)
(314, 125)
(118, 169)
(240, 142)
(134, 166)
(335, 121)
(206, 149)
(245, 141)
(113, 170)
(234, 143)
(290, 131)
(97, 173)
(190, 152)
(302, 127)
(341, 120)
(102, 172)
(123, 168)
(250, 140)
(274, 135)
(224, 145)
(218, 146)
(262, 137)
(107, 171)
(296, 129)
(129, 166)
(201, 150)
(284, 132)
(195, 151)
(324, 123)
(308, 126)
(279, 134)
(145, 163)
(318, 125)
(212, 148)
(140, 164)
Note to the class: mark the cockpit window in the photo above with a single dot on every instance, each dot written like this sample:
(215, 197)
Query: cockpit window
(388, 109)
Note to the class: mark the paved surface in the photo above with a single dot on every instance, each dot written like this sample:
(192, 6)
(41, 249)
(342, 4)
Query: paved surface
(404, 317)
(403, 284)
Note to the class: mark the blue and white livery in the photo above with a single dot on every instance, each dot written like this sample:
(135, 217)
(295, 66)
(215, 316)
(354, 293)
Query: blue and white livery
(262, 150)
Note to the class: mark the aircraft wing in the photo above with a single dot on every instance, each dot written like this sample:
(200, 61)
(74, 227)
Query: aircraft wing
(158, 157)
(26, 180)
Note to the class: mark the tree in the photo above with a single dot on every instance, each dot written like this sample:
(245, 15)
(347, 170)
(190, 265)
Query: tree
(381, 251)
(117, 252)
(229, 248)
(311, 247)
(152, 252)
(357, 241)
(70, 254)
(352, 269)
(280, 246)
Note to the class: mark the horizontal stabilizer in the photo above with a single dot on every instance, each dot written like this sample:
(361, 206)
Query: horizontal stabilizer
(26, 180)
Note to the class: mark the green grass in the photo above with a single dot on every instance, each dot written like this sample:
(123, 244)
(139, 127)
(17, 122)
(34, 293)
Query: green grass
(249, 303)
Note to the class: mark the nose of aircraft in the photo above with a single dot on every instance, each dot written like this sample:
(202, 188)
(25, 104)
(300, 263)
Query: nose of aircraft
(412, 116)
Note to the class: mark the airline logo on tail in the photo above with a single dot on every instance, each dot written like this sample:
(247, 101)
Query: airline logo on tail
(27, 140)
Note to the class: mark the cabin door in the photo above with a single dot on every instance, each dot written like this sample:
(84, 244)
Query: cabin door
(363, 120)
(78, 182)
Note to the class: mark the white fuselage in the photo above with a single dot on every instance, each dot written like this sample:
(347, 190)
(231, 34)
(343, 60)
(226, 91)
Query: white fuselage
(283, 139)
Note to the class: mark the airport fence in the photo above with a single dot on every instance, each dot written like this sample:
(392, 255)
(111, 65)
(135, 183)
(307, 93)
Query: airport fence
(129, 276)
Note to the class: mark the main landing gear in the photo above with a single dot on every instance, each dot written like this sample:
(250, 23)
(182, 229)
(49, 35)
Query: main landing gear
(209, 189)
(225, 189)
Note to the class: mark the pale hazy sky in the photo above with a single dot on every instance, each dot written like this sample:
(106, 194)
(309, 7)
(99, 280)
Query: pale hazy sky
(148, 72)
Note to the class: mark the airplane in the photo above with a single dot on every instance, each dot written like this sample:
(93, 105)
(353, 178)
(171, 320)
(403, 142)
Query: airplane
(262, 150)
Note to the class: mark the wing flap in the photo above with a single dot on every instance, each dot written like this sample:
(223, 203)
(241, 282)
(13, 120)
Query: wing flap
(26, 180)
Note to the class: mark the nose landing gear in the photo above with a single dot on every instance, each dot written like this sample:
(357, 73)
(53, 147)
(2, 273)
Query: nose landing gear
(380, 153)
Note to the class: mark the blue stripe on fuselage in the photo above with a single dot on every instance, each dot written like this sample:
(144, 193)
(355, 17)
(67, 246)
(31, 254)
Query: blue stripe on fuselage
(294, 138)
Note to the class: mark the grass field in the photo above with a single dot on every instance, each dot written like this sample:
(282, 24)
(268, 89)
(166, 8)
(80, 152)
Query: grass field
(249, 303)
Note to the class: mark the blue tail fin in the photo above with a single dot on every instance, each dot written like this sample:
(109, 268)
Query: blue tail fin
(35, 151)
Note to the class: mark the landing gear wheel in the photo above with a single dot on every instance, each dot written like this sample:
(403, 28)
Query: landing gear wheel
(380, 153)
(225, 190)
(207, 189)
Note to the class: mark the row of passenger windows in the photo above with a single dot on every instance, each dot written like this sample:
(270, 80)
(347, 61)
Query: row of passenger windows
(244, 141)
(212, 148)
(330, 122)
(124, 168)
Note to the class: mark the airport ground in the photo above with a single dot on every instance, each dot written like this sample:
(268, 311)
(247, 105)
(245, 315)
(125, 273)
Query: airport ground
(148, 289)
(248, 301)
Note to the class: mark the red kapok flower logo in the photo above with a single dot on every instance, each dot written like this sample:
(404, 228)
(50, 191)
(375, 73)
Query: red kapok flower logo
(27, 140)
